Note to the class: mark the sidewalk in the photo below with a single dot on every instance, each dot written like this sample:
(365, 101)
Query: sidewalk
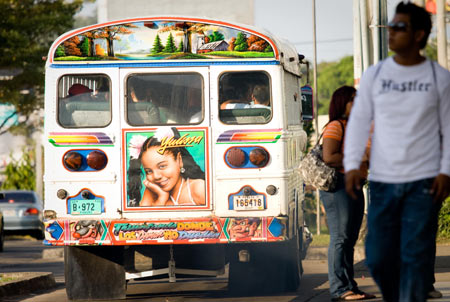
(366, 283)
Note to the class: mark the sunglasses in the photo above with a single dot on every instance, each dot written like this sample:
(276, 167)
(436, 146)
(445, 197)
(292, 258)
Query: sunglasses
(398, 26)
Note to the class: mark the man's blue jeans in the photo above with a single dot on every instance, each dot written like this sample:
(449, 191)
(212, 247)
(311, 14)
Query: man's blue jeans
(400, 239)
(344, 217)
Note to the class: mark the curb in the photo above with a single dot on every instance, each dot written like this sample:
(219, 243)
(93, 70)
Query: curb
(321, 253)
(53, 253)
(26, 283)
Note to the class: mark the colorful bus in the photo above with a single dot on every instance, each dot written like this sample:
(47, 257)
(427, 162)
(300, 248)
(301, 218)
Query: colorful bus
(176, 139)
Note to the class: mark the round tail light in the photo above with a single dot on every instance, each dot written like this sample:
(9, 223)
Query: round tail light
(236, 157)
(96, 160)
(259, 157)
(73, 160)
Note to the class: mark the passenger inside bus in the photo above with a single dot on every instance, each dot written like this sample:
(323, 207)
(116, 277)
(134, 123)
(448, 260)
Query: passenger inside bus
(79, 106)
(244, 97)
(141, 109)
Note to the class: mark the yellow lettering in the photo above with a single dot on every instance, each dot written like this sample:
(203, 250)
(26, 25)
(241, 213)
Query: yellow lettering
(183, 141)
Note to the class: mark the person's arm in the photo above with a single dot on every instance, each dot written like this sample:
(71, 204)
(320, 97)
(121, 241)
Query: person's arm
(357, 133)
(441, 185)
(332, 154)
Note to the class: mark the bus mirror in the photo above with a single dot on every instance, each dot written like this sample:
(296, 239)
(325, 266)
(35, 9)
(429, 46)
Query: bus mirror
(307, 103)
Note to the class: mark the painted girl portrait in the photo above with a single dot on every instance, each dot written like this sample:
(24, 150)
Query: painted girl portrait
(162, 172)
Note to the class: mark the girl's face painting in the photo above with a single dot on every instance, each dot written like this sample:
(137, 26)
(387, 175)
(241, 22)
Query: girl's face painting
(162, 170)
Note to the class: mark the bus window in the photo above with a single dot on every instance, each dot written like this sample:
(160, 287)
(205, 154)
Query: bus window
(245, 98)
(84, 101)
(159, 99)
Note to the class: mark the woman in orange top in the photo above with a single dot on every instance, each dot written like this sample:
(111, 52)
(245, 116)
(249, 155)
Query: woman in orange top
(344, 215)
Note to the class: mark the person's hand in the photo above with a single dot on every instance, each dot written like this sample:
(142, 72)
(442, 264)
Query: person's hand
(162, 196)
(353, 181)
(440, 188)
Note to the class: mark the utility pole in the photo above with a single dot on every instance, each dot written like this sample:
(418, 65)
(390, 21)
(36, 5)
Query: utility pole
(441, 34)
(316, 101)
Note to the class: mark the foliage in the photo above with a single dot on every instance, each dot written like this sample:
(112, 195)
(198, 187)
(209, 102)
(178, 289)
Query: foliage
(331, 76)
(444, 220)
(309, 129)
(431, 49)
(60, 51)
(85, 47)
(20, 173)
(216, 36)
(27, 29)
(241, 42)
(242, 54)
(157, 45)
(170, 45)
(180, 46)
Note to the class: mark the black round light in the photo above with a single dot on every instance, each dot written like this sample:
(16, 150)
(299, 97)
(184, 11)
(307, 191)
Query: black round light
(73, 160)
(259, 157)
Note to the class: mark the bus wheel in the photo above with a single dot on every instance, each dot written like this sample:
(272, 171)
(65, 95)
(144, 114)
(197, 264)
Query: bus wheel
(94, 272)
(271, 268)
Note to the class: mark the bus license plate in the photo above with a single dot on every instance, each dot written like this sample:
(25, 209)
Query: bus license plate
(248, 203)
(85, 206)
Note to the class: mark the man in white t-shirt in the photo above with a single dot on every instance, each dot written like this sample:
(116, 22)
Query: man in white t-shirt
(408, 99)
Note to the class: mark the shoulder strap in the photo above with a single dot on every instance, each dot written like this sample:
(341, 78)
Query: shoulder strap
(343, 133)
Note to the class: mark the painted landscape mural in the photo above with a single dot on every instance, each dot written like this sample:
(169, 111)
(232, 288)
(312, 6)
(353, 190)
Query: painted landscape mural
(162, 40)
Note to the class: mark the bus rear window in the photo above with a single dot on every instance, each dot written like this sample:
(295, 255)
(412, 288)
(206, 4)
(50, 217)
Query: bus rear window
(245, 98)
(84, 101)
(160, 99)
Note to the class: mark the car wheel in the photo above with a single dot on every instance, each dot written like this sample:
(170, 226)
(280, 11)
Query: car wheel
(39, 234)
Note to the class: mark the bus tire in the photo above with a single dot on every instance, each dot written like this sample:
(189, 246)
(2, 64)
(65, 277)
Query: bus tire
(94, 272)
(273, 268)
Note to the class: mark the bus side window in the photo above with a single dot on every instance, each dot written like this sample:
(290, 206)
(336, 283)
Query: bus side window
(245, 98)
(84, 101)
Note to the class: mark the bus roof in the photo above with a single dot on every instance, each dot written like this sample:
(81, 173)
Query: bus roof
(170, 38)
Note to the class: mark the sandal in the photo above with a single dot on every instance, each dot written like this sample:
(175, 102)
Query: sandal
(352, 296)
(366, 295)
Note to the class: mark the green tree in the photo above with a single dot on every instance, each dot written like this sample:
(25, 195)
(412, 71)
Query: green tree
(20, 173)
(216, 36)
(157, 45)
(268, 49)
(180, 46)
(27, 29)
(170, 45)
(241, 42)
(60, 51)
(85, 47)
(331, 76)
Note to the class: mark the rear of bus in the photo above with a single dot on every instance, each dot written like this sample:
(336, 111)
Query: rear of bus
(166, 153)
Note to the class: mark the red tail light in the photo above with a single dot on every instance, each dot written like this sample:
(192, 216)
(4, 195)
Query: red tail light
(96, 160)
(73, 161)
(31, 211)
(236, 157)
(259, 157)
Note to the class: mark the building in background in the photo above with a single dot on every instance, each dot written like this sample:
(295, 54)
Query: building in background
(241, 11)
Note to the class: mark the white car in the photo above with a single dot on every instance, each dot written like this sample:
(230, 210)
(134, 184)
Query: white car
(22, 213)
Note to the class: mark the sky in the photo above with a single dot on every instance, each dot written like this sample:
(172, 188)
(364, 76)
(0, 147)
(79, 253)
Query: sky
(292, 20)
